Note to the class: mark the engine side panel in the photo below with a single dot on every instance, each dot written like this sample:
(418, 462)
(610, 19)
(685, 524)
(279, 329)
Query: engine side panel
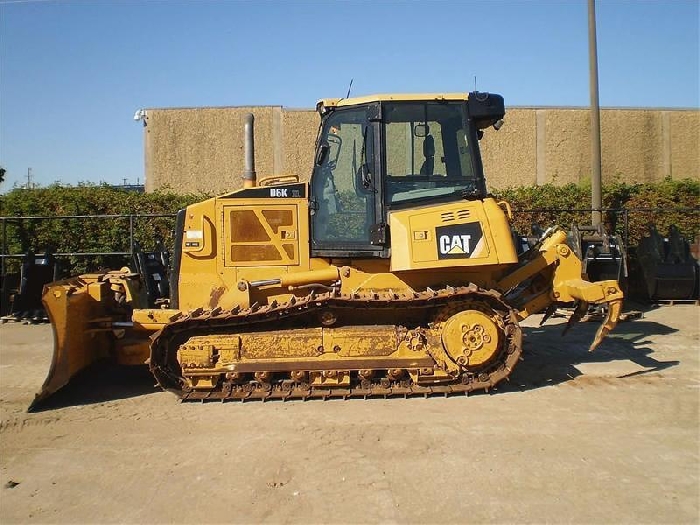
(462, 234)
(241, 237)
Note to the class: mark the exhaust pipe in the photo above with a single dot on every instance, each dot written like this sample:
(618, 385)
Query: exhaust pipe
(249, 151)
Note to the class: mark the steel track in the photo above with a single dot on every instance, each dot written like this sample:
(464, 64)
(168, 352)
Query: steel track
(306, 312)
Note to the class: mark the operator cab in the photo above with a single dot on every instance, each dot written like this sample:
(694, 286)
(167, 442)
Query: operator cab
(376, 154)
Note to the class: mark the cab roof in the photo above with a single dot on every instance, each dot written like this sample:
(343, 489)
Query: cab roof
(400, 97)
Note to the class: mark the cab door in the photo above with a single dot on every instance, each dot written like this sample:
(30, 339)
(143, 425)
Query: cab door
(345, 190)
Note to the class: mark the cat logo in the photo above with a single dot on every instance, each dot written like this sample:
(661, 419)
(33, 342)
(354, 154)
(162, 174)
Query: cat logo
(459, 241)
(454, 244)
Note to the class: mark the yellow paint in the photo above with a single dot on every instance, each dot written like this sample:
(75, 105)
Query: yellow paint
(415, 243)
(471, 338)
(402, 97)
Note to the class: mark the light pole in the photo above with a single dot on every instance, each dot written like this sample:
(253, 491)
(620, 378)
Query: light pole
(596, 186)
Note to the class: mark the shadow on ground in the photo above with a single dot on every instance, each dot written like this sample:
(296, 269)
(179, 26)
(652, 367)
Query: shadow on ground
(550, 358)
(103, 381)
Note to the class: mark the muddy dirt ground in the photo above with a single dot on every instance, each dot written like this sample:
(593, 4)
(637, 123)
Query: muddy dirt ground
(607, 437)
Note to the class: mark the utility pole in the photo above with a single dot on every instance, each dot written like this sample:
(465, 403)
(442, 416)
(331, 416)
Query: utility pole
(596, 185)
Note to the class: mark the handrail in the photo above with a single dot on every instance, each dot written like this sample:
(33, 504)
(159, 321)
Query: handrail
(15, 219)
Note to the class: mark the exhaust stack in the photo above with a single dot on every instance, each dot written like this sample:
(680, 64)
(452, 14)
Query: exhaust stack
(249, 151)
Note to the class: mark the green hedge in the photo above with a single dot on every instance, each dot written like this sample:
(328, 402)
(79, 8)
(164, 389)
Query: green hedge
(88, 235)
(663, 204)
(530, 205)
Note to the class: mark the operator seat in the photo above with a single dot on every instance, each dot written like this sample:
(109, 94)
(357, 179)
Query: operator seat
(428, 166)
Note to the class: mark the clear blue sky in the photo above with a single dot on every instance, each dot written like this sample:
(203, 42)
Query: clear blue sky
(72, 73)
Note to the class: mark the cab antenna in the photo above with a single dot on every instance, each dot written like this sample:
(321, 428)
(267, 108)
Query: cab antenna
(349, 88)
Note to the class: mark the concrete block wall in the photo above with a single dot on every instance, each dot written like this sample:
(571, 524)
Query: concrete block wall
(201, 149)
(300, 131)
(510, 154)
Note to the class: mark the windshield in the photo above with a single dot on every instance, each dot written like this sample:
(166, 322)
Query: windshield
(428, 153)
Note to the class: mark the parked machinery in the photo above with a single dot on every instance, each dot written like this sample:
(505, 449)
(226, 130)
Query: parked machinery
(392, 272)
(152, 268)
(603, 255)
(24, 302)
(665, 268)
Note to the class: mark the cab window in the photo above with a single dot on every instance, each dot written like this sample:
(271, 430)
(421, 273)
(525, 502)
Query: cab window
(427, 152)
(342, 182)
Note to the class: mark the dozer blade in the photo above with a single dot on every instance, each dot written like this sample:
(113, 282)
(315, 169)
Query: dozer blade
(73, 306)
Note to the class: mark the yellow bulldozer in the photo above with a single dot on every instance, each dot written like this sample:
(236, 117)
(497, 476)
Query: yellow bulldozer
(392, 272)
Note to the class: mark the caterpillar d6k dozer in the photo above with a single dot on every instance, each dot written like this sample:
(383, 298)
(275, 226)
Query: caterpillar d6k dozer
(391, 273)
